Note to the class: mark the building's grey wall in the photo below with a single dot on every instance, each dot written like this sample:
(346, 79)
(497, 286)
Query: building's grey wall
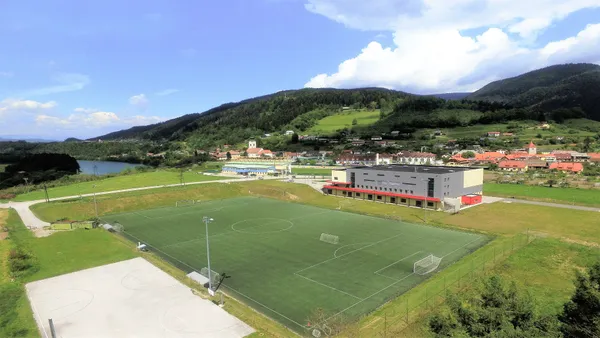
(448, 185)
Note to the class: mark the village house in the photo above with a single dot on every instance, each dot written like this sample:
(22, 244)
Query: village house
(493, 134)
(567, 167)
(409, 157)
(289, 132)
(508, 165)
(594, 158)
(254, 152)
(489, 157)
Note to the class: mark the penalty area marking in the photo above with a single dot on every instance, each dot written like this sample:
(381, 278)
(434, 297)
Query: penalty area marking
(347, 245)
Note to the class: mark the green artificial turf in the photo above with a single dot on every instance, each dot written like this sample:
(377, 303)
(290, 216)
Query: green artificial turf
(277, 263)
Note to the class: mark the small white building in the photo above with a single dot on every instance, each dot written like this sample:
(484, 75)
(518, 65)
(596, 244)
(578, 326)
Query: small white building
(289, 132)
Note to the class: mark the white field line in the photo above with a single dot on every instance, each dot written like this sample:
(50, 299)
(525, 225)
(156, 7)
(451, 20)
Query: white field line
(327, 286)
(233, 231)
(347, 245)
(141, 215)
(266, 307)
(360, 301)
(453, 251)
(347, 253)
(396, 262)
(228, 287)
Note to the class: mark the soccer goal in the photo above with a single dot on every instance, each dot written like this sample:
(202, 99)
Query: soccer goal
(331, 239)
(185, 203)
(214, 276)
(426, 265)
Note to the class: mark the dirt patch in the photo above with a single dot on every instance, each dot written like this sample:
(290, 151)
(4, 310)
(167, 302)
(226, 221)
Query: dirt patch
(580, 242)
(293, 197)
(3, 235)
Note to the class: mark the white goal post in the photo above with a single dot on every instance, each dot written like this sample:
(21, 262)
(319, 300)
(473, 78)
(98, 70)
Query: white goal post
(331, 239)
(426, 265)
(185, 203)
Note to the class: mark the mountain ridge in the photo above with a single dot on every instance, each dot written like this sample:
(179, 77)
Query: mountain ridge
(569, 86)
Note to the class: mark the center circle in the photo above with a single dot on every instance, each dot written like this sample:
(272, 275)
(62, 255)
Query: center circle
(262, 225)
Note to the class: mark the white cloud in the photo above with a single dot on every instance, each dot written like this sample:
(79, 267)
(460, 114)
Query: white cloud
(431, 53)
(14, 106)
(92, 119)
(65, 82)
(139, 100)
(167, 92)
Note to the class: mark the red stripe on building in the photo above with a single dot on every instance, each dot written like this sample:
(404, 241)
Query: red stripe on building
(383, 193)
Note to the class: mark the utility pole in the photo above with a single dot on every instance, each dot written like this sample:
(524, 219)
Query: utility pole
(207, 220)
(46, 192)
(181, 180)
(95, 204)
(26, 184)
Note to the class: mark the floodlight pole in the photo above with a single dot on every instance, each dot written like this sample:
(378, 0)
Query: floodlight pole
(207, 220)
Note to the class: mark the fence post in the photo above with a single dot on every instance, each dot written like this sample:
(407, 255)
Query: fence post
(52, 331)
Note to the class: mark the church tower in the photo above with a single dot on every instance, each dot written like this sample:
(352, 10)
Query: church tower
(251, 144)
(531, 148)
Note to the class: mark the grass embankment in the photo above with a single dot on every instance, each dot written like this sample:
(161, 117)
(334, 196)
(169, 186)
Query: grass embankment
(585, 197)
(311, 171)
(2, 166)
(545, 268)
(344, 119)
(144, 179)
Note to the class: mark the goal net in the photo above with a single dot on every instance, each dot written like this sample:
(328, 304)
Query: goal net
(327, 238)
(185, 203)
(214, 276)
(426, 265)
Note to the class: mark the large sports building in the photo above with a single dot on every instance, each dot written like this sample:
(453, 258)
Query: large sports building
(432, 187)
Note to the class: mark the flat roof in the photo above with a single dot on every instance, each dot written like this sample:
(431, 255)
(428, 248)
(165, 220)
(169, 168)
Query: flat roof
(424, 169)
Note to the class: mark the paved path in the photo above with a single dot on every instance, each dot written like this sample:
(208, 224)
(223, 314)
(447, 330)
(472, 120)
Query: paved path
(554, 205)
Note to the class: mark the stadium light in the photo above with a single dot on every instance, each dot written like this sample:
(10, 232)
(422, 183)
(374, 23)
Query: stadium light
(207, 220)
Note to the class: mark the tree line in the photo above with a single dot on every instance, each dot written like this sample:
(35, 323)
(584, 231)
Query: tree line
(37, 168)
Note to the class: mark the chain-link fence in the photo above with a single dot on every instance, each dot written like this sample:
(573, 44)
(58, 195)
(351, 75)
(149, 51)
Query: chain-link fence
(392, 319)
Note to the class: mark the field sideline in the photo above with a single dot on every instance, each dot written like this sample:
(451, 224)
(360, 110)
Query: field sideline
(270, 247)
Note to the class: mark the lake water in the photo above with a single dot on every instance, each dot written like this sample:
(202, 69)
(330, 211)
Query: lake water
(104, 167)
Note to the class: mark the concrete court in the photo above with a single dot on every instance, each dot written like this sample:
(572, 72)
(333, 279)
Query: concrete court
(132, 298)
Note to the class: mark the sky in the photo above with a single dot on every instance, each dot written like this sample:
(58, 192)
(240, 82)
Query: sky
(82, 68)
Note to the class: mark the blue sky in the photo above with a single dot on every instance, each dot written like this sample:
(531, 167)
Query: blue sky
(83, 68)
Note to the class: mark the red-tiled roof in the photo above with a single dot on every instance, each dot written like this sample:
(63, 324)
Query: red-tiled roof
(594, 157)
(512, 164)
(383, 193)
(531, 145)
(566, 166)
(254, 150)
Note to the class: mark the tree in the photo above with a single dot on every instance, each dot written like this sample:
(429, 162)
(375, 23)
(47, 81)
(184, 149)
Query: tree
(468, 154)
(581, 315)
(381, 115)
(228, 156)
(494, 309)
(551, 183)
(354, 122)
(372, 105)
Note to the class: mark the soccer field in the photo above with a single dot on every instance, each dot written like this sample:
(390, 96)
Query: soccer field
(277, 262)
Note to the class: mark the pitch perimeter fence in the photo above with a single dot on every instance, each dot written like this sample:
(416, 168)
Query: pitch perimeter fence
(392, 319)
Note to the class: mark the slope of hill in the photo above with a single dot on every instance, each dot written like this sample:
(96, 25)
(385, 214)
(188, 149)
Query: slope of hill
(555, 87)
(232, 123)
(451, 96)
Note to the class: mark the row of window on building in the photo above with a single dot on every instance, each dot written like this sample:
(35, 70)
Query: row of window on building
(384, 189)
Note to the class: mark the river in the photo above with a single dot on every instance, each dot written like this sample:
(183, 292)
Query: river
(104, 167)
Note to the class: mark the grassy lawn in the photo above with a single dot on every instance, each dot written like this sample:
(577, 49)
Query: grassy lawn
(2, 166)
(311, 171)
(587, 197)
(512, 218)
(159, 177)
(332, 123)
(256, 239)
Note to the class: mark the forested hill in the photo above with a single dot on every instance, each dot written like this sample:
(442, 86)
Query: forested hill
(555, 87)
(235, 122)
